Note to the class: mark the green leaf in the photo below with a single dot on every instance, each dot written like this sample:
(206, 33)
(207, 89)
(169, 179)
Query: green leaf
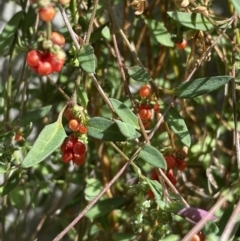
(34, 115)
(87, 59)
(124, 113)
(191, 20)
(106, 33)
(11, 184)
(50, 138)
(103, 129)
(127, 130)
(152, 156)
(236, 4)
(104, 207)
(139, 74)
(92, 189)
(178, 126)
(158, 31)
(82, 97)
(201, 86)
(7, 35)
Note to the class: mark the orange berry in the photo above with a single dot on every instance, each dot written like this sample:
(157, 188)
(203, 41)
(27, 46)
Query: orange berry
(198, 237)
(144, 91)
(18, 137)
(182, 45)
(47, 14)
(68, 114)
(145, 114)
(73, 124)
(82, 128)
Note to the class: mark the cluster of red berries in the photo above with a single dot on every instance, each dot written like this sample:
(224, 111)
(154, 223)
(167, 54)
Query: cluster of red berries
(145, 108)
(73, 150)
(49, 56)
(175, 160)
(45, 62)
(74, 147)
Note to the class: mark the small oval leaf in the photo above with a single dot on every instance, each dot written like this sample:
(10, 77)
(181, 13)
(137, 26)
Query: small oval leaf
(200, 86)
(159, 32)
(87, 59)
(103, 129)
(127, 130)
(152, 156)
(124, 113)
(191, 20)
(178, 126)
(50, 138)
(139, 74)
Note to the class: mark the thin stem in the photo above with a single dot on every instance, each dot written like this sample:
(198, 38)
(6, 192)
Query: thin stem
(231, 223)
(58, 88)
(234, 100)
(90, 25)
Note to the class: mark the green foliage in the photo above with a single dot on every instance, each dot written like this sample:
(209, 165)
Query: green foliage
(147, 96)
(152, 156)
(9, 33)
(50, 138)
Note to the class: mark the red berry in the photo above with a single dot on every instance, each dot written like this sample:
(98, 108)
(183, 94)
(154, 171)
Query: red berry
(57, 39)
(144, 106)
(73, 124)
(171, 177)
(47, 14)
(57, 61)
(82, 128)
(146, 124)
(18, 137)
(144, 91)
(150, 194)
(70, 142)
(63, 147)
(44, 68)
(181, 164)
(79, 159)
(182, 45)
(171, 162)
(68, 114)
(154, 175)
(145, 114)
(67, 156)
(33, 58)
(156, 108)
(79, 148)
